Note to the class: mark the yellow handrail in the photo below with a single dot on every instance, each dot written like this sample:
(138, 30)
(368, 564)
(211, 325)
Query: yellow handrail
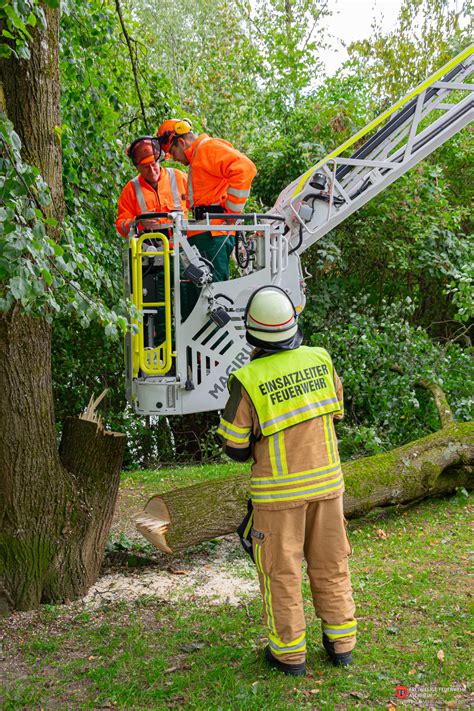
(376, 122)
(155, 360)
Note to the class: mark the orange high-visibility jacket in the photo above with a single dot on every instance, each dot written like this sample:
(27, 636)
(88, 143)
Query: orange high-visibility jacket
(138, 197)
(218, 175)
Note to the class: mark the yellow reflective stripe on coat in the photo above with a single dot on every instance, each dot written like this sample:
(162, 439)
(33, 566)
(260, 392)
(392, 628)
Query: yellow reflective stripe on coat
(330, 438)
(276, 448)
(267, 595)
(307, 476)
(295, 494)
(228, 430)
(337, 631)
(290, 387)
(248, 526)
(279, 647)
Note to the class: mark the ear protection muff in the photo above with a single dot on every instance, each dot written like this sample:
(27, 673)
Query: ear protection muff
(181, 128)
(158, 153)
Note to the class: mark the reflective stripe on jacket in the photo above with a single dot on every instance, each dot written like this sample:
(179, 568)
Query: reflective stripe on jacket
(298, 463)
(290, 387)
(138, 196)
(218, 175)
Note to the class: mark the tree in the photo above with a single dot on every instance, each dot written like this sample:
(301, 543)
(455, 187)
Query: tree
(56, 504)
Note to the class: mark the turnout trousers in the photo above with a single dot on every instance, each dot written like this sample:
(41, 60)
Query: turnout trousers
(315, 531)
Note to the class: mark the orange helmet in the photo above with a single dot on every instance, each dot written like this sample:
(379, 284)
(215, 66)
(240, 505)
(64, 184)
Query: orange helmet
(145, 150)
(171, 128)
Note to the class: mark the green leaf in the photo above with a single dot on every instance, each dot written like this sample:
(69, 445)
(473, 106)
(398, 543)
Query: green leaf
(47, 276)
(6, 51)
(58, 250)
(23, 51)
(18, 287)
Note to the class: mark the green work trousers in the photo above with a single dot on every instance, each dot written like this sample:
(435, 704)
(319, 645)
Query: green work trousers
(216, 250)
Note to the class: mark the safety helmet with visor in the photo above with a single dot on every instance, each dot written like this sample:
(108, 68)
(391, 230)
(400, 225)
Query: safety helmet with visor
(271, 320)
(145, 150)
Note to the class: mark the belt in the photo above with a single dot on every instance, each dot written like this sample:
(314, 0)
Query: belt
(200, 211)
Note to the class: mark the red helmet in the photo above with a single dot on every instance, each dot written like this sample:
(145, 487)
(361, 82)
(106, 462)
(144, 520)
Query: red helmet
(145, 150)
(171, 128)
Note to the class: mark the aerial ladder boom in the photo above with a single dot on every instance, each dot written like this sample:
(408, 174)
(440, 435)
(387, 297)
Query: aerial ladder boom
(187, 372)
(338, 185)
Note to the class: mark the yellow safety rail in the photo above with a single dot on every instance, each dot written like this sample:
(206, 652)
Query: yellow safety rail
(156, 360)
(376, 122)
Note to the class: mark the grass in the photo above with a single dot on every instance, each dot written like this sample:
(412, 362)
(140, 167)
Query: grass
(161, 480)
(410, 581)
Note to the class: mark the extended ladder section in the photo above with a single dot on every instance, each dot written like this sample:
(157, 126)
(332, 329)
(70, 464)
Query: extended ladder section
(406, 133)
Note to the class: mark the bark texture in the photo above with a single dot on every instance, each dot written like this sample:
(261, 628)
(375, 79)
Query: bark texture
(434, 465)
(55, 510)
(31, 92)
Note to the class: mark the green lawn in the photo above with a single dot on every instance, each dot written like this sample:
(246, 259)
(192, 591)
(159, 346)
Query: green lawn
(411, 585)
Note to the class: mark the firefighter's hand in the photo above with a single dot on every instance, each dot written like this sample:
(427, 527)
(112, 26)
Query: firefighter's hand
(150, 225)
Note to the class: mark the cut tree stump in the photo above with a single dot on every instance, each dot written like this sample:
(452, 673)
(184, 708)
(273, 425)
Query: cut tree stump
(434, 465)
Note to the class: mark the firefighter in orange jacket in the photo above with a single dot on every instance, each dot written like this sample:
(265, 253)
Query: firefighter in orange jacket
(153, 190)
(219, 181)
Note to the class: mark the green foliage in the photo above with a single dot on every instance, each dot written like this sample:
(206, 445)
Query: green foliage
(427, 35)
(43, 274)
(385, 408)
(17, 20)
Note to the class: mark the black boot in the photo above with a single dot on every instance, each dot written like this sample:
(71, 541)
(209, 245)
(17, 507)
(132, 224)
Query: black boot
(289, 669)
(341, 659)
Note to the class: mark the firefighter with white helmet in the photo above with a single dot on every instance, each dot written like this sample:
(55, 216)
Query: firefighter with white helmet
(281, 412)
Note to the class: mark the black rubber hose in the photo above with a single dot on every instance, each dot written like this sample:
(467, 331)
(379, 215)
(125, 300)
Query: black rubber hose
(300, 240)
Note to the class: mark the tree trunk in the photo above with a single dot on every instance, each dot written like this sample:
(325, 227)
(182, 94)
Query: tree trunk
(55, 515)
(53, 521)
(434, 465)
(31, 92)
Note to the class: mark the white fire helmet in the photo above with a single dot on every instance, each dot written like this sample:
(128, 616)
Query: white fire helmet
(270, 316)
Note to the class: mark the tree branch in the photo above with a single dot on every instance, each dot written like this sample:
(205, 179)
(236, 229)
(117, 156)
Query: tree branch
(444, 411)
(132, 62)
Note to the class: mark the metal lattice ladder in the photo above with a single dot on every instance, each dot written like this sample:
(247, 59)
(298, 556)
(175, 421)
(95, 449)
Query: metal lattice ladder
(410, 130)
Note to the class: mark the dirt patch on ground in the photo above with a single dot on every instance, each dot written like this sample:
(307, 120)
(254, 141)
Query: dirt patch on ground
(220, 575)
(226, 577)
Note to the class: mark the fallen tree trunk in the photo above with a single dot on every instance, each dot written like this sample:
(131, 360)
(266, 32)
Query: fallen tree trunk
(434, 465)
